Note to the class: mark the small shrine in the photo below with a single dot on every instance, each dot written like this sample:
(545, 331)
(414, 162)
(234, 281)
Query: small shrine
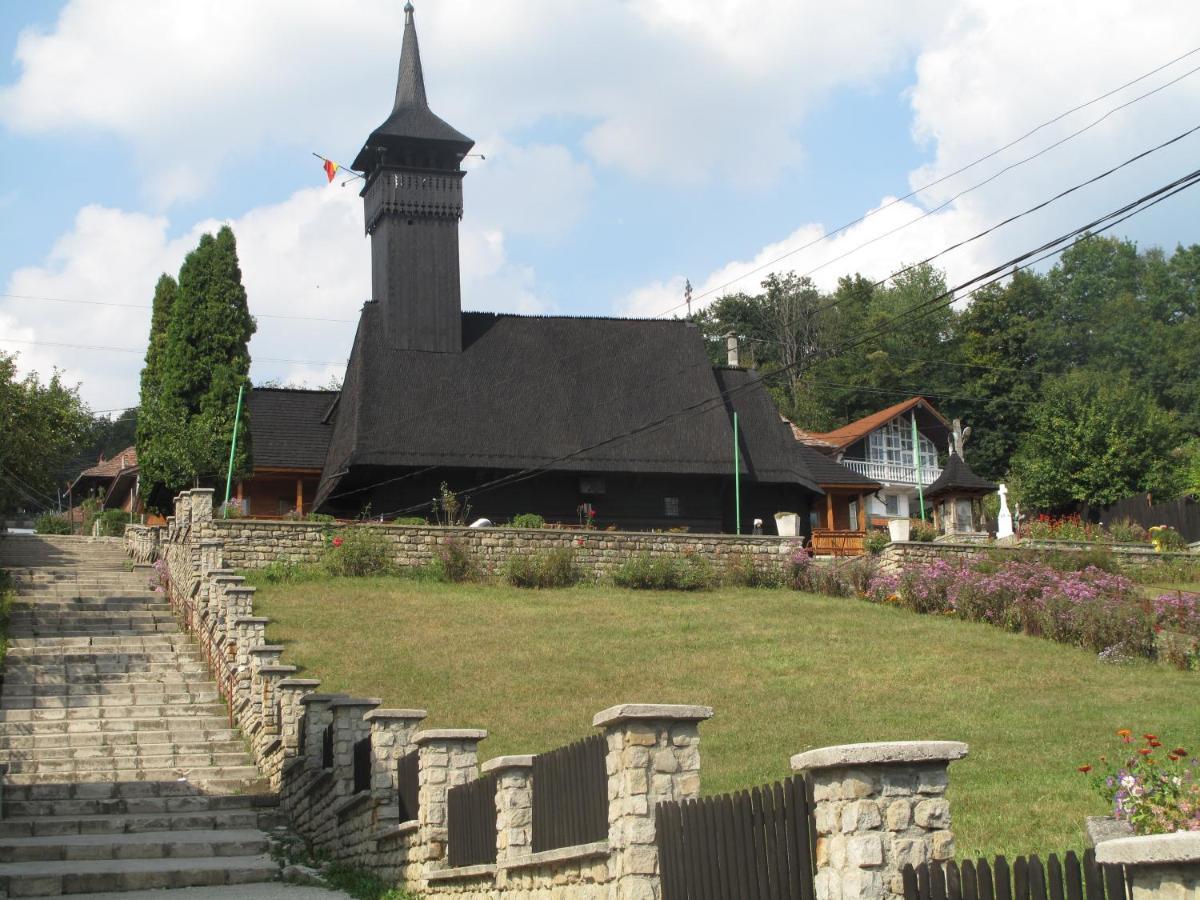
(957, 495)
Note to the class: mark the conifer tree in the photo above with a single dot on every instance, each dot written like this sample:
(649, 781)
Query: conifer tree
(150, 418)
(205, 360)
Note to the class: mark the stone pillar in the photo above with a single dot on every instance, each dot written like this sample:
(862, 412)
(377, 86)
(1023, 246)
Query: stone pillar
(210, 557)
(183, 510)
(514, 805)
(878, 808)
(349, 727)
(317, 716)
(272, 713)
(392, 732)
(448, 757)
(653, 756)
(1157, 866)
(201, 506)
(292, 691)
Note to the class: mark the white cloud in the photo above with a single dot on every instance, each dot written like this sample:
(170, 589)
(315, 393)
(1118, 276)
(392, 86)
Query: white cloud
(678, 90)
(986, 75)
(304, 257)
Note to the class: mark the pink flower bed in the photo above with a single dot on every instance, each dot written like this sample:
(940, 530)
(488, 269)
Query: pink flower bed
(1092, 608)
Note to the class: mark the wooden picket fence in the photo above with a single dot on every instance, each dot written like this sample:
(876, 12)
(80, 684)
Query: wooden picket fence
(742, 846)
(408, 786)
(570, 795)
(471, 823)
(1027, 879)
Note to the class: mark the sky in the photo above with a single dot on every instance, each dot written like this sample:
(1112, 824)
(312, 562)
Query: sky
(627, 146)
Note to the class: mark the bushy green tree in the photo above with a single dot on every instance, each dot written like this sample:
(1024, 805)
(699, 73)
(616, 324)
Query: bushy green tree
(1096, 438)
(41, 428)
(203, 360)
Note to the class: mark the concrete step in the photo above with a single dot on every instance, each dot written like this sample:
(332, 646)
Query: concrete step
(38, 826)
(165, 674)
(52, 879)
(108, 701)
(114, 689)
(258, 801)
(133, 751)
(108, 713)
(126, 767)
(141, 784)
(143, 845)
(181, 733)
(177, 726)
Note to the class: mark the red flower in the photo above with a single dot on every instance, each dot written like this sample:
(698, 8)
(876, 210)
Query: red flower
(1150, 737)
(337, 542)
(591, 514)
(1156, 743)
(1172, 757)
(1085, 769)
(1125, 735)
(1180, 752)
(1145, 751)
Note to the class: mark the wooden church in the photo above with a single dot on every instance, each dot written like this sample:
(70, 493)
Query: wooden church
(528, 414)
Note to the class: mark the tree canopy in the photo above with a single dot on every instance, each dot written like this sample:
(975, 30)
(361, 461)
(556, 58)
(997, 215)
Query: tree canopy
(1127, 320)
(196, 361)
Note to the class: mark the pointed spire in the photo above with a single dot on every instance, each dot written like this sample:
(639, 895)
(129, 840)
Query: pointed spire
(410, 83)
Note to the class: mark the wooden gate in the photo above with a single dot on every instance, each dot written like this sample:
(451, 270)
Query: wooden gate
(742, 846)
(1028, 879)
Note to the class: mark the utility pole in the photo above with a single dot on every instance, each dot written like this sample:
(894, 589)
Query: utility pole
(687, 294)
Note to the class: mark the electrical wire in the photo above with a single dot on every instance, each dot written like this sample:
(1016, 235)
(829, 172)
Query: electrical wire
(925, 187)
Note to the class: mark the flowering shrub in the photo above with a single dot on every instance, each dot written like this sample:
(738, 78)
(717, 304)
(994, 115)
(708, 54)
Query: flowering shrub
(1065, 528)
(1153, 788)
(160, 577)
(924, 532)
(1167, 539)
(357, 552)
(1091, 608)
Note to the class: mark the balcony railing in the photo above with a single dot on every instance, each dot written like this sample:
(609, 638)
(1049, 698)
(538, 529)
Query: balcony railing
(892, 473)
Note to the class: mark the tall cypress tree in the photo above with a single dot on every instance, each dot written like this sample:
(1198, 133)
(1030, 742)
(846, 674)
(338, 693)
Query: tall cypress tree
(149, 411)
(205, 362)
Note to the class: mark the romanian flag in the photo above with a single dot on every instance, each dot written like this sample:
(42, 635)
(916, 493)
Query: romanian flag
(330, 169)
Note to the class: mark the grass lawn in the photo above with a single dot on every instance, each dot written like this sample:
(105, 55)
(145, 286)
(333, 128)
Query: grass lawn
(785, 672)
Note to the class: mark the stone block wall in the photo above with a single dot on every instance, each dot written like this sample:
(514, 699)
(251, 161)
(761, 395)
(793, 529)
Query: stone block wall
(251, 544)
(1132, 559)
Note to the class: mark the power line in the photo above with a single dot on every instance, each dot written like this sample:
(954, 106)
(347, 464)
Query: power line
(304, 362)
(147, 306)
(959, 171)
(1056, 245)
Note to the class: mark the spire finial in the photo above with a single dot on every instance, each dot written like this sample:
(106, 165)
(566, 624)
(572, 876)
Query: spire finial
(410, 85)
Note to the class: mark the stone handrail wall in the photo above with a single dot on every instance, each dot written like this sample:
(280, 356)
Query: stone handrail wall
(653, 756)
(254, 544)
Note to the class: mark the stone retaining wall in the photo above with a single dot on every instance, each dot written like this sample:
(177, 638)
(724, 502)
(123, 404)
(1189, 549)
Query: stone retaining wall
(1131, 559)
(254, 544)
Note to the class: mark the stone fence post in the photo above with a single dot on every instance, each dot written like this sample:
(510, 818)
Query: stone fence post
(878, 808)
(201, 507)
(316, 717)
(392, 732)
(292, 692)
(514, 805)
(653, 756)
(448, 757)
(349, 727)
(1157, 866)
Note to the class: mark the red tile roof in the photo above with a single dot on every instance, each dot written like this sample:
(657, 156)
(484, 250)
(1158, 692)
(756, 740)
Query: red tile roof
(843, 437)
(110, 468)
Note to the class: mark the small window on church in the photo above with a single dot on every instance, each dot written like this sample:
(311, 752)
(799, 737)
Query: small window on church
(671, 507)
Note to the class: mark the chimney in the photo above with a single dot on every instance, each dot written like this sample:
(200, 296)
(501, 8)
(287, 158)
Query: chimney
(731, 348)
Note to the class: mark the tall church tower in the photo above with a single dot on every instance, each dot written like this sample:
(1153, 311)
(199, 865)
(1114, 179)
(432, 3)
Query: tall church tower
(413, 201)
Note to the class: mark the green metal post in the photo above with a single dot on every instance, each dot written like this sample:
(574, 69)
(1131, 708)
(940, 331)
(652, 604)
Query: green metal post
(917, 464)
(737, 480)
(237, 419)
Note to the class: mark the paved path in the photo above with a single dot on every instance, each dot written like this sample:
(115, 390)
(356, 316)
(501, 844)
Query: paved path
(242, 892)
(123, 772)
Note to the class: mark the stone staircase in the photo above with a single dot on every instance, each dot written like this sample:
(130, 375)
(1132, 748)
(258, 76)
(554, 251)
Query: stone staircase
(123, 770)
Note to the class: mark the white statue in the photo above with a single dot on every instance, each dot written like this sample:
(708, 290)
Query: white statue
(1004, 528)
(958, 437)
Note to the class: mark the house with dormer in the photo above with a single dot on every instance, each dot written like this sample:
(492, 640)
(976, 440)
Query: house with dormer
(896, 448)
